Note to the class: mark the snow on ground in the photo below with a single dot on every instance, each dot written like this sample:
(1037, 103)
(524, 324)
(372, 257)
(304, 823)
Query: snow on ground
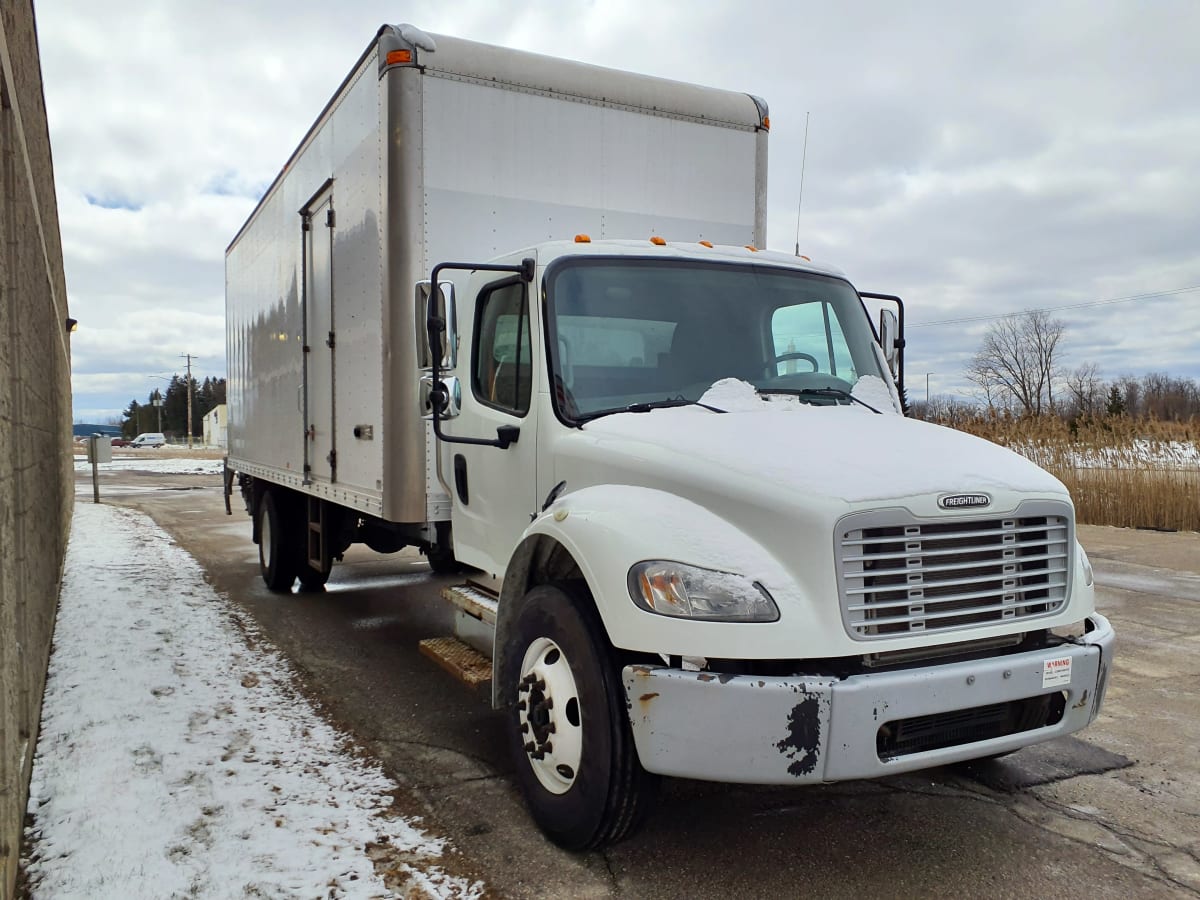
(158, 466)
(1138, 454)
(177, 759)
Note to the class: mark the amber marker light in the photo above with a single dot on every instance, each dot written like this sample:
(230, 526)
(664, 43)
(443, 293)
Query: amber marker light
(657, 241)
(707, 244)
(582, 239)
(766, 123)
(397, 57)
(751, 248)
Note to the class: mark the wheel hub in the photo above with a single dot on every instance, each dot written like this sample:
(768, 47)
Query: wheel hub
(549, 716)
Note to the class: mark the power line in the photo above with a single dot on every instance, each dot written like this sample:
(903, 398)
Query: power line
(1090, 303)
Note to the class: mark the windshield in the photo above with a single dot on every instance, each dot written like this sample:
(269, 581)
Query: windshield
(627, 332)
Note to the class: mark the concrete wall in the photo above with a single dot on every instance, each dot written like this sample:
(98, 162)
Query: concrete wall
(36, 482)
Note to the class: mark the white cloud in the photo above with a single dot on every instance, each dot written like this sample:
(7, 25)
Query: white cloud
(973, 159)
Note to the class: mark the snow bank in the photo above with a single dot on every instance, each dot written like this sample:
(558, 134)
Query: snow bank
(180, 466)
(177, 759)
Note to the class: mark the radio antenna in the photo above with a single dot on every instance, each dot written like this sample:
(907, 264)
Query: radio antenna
(803, 160)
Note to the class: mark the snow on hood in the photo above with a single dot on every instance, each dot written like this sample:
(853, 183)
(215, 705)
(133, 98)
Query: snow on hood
(840, 452)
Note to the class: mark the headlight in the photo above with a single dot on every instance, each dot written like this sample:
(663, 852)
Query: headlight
(1088, 576)
(674, 589)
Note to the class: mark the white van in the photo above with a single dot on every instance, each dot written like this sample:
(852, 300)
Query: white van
(149, 439)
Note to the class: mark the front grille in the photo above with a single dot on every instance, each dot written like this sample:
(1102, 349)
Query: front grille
(967, 726)
(898, 575)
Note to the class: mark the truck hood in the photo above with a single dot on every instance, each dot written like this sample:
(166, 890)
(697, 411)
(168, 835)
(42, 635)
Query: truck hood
(840, 453)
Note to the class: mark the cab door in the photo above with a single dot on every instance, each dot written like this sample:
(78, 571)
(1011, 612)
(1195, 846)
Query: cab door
(493, 489)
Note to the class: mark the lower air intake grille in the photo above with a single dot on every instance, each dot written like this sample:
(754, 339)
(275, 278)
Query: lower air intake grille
(966, 726)
(899, 575)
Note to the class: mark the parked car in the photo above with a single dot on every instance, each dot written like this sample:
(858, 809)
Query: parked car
(121, 442)
(149, 439)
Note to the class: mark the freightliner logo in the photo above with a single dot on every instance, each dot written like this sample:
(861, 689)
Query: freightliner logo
(964, 501)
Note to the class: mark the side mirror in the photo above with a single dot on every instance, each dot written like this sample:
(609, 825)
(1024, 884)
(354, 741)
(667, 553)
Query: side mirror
(889, 330)
(447, 395)
(443, 310)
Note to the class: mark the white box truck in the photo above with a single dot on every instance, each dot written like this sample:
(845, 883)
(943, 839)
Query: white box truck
(510, 310)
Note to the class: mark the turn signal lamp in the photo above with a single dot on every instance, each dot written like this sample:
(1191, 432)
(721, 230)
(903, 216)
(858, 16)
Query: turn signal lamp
(657, 241)
(582, 239)
(399, 57)
(663, 592)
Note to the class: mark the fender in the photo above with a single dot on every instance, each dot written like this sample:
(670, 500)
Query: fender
(599, 532)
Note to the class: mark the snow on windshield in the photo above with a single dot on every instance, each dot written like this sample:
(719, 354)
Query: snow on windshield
(735, 395)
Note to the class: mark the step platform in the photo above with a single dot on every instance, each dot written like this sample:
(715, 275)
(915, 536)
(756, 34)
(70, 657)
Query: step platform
(465, 663)
(466, 655)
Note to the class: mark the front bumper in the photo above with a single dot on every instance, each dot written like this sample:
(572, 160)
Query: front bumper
(784, 730)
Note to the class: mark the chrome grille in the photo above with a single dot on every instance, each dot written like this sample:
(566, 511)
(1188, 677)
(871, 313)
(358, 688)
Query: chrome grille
(899, 575)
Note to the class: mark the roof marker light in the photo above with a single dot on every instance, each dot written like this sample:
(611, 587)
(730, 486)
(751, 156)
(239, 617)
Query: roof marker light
(399, 57)
(805, 258)
(707, 244)
(766, 123)
(657, 241)
(751, 248)
(582, 239)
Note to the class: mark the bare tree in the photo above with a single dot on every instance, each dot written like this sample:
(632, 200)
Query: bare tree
(1087, 390)
(1018, 362)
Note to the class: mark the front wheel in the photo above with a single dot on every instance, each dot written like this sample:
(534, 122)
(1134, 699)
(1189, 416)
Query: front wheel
(569, 732)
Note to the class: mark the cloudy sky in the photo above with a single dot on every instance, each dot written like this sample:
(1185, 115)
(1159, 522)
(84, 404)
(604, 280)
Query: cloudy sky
(975, 159)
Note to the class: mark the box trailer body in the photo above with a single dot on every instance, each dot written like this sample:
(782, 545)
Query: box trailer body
(475, 152)
(704, 540)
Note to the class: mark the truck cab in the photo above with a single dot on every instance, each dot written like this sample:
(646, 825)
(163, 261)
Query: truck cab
(684, 472)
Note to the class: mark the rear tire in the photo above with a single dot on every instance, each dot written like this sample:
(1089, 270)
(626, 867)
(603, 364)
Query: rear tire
(567, 723)
(441, 554)
(310, 578)
(276, 546)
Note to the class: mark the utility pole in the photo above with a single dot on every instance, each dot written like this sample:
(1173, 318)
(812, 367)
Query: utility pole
(188, 357)
(157, 400)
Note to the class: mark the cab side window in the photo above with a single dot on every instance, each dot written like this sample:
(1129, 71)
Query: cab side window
(500, 370)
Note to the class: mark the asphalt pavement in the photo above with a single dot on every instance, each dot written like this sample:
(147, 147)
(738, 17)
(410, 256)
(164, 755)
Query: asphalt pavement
(1112, 812)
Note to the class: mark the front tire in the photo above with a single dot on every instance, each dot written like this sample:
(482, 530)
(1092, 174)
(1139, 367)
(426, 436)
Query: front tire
(276, 549)
(568, 728)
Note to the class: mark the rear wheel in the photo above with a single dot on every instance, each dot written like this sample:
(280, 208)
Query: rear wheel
(310, 578)
(441, 554)
(277, 554)
(568, 728)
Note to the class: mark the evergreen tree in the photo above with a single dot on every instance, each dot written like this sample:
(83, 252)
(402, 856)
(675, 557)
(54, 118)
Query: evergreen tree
(1116, 402)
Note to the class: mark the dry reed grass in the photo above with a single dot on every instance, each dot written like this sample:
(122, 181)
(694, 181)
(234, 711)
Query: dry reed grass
(1134, 474)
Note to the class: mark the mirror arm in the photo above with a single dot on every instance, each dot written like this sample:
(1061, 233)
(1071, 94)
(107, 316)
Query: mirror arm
(506, 435)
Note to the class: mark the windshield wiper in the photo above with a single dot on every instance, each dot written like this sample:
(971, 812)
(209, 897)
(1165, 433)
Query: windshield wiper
(643, 408)
(820, 392)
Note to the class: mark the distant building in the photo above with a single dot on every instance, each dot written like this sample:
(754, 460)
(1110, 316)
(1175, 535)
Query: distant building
(84, 430)
(216, 421)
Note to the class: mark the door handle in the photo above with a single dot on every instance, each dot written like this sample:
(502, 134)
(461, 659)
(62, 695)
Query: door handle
(506, 435)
